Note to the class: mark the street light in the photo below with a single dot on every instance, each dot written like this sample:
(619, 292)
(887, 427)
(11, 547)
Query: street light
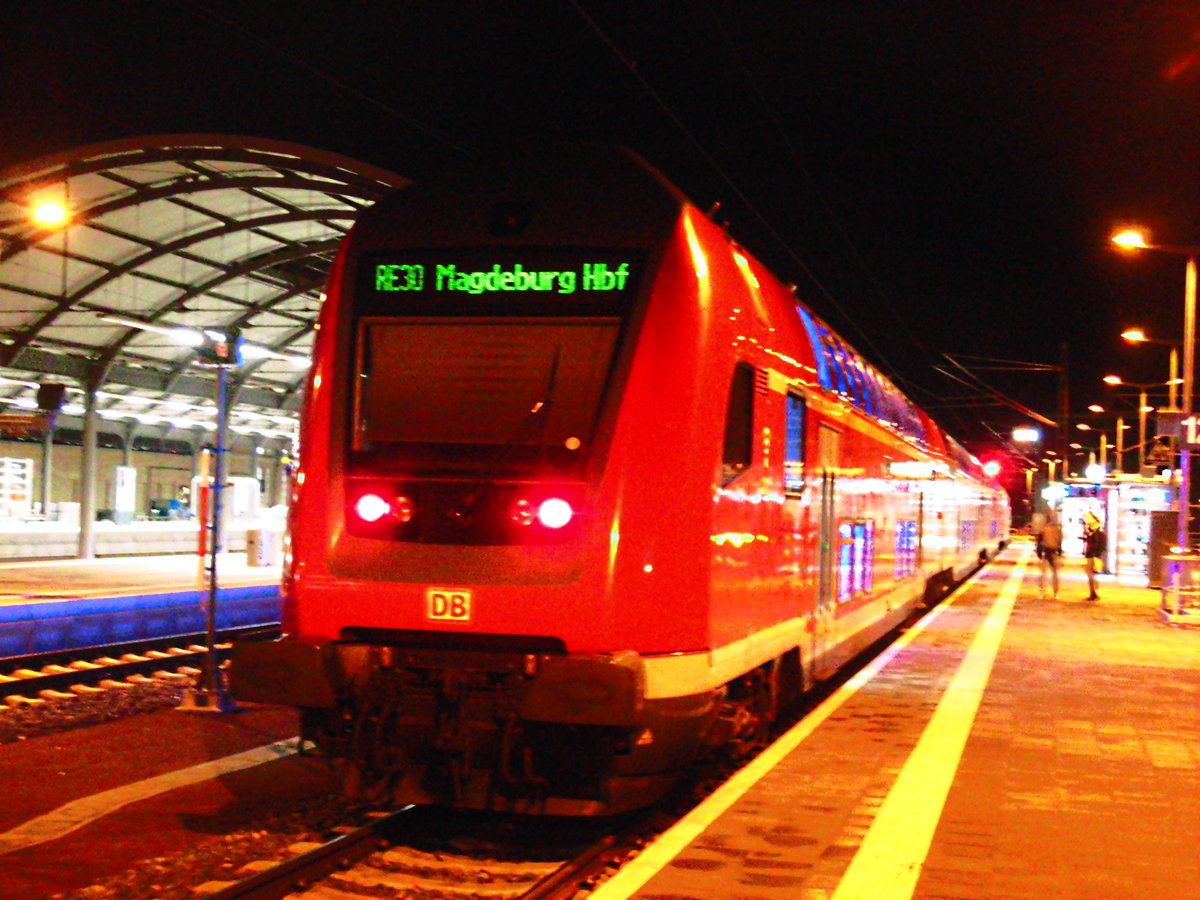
(1138, 336)
(1026, 435)
(1135, 239)
(1143, 409)
(1181, 562)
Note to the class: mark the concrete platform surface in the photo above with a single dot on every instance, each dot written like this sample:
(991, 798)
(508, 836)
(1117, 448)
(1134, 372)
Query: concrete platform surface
(1010, 746)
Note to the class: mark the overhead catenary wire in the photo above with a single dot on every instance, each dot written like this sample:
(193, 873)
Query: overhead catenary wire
(698, 145)
(275, 47)
(634, 70)
(797, 161)
(972, 380)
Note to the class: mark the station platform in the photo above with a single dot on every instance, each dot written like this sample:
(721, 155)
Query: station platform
(52, 605)
(1007, 746)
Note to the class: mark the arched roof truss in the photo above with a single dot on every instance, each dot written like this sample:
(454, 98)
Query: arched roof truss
(165, 233)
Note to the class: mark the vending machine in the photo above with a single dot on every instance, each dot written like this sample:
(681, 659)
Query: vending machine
(1129, 539)
(1126, 508)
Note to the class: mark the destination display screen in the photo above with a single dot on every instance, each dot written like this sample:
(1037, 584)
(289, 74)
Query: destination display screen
(458, 281)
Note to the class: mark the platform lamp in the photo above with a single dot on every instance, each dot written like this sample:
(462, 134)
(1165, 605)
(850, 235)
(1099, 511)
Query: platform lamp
(1092, 454)
(1143, 407)
(1138, 336)
(219, 349)
(1027, 438)
(51, 210)
(1135, 239)
(1181, 562)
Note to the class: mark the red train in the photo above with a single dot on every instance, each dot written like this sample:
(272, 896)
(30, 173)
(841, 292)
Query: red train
(585, 491)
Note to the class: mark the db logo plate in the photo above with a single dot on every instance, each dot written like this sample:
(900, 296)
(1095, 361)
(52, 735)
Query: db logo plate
(448, 604)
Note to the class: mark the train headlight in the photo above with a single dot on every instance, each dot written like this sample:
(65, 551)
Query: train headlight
(555, 512)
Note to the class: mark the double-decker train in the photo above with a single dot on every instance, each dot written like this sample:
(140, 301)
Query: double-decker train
(584, 492)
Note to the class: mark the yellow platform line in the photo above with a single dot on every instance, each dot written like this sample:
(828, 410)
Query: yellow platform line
(889, 861)
(77, 813)
(672, 842)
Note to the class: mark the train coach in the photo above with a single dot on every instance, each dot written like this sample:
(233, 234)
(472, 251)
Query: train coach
(586, 492)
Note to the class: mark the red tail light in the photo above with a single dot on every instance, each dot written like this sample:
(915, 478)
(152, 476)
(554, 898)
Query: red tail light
(552, 513)
(555, 512)
(373, 508)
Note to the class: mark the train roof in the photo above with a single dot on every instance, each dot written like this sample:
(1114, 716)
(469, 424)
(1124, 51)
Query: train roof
(509, 196)
(616, 199)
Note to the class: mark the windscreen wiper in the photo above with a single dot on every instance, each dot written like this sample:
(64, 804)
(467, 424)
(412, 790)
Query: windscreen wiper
(539, 411)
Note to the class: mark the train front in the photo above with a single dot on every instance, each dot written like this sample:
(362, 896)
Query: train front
(449, 622)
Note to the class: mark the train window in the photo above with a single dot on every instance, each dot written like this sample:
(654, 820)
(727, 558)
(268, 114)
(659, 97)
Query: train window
(874, 392)
(906, 548)
(856, 553)
(840, 370)
(854, 370)
(967, 529)
(816, 339)
(842, 378)
(793, 458)
(739, 424)
(913, 426)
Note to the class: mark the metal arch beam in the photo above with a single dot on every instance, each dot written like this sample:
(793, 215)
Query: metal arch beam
(12, 352)
(267, 165)
(78, 369)
(248, 266)
(198, 148)
(260, 166)
(182, 188)
(177, 368)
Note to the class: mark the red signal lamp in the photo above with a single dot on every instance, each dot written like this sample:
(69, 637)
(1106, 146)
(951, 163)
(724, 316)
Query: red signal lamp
(992, 468)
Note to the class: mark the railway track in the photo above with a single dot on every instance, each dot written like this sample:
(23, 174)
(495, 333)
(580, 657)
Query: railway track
(64, 674)
(423, 852)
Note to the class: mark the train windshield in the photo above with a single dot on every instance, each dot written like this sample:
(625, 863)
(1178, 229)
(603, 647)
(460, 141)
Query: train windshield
(514, 394)
(487, 359)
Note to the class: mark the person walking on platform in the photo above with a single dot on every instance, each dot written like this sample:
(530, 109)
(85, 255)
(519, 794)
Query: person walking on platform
(1049, 551)
(1095, 543)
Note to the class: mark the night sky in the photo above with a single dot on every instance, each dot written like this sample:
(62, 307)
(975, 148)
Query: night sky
(935, 177)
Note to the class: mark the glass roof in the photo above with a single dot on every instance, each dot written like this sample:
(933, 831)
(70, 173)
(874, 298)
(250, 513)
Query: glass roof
(166, 233)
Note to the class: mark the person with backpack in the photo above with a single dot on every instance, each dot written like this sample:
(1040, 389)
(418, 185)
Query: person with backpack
(1095, 544)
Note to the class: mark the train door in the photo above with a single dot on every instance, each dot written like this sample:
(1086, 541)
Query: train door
(824, 634)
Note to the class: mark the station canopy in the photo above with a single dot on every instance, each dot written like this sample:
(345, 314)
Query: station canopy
(160, 239)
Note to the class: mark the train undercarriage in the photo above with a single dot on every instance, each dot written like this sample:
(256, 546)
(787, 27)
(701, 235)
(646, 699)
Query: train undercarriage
(523, 733)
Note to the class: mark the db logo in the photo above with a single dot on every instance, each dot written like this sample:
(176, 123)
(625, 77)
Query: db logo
(448, 604)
